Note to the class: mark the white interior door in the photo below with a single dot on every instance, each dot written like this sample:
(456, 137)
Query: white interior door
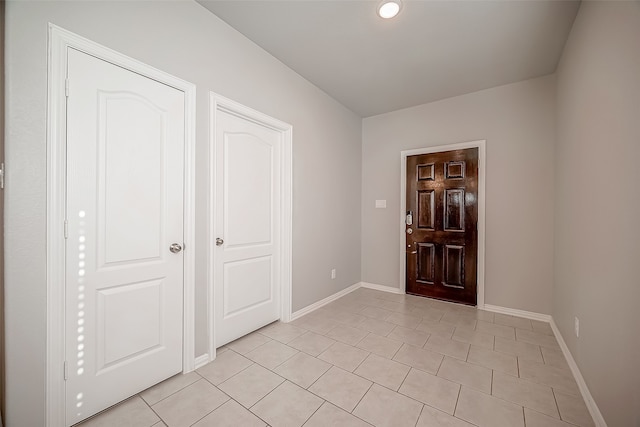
(247, 220)
(124, 287)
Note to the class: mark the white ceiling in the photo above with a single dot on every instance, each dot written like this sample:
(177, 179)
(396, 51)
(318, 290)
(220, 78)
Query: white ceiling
(432, 50)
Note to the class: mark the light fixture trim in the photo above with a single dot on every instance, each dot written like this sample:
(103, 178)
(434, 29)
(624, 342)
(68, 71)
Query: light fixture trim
(388, 9)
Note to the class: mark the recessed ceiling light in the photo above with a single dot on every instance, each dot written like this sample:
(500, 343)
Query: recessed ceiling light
(389, 8)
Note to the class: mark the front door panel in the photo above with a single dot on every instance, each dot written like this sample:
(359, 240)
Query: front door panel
(124, 289)
(442, 193)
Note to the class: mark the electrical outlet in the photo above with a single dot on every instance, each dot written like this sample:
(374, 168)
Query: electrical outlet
(333, 273)
(577, 326)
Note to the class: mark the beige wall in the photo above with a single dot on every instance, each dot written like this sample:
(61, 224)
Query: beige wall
(597, 210)
(518, 122)
(186, 40)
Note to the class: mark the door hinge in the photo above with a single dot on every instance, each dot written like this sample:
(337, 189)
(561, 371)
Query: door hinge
(66, 88)
(1, 176)
(66, 229)
(64, 370)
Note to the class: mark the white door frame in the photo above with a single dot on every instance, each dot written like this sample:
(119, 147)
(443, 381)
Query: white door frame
(60, 41)
(218, 103)
(482, 162)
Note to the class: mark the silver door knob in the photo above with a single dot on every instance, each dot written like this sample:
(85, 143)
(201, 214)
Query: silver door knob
(175, 248)
(219, 241)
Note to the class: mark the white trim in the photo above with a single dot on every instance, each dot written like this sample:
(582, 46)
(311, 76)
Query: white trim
(482, 163)
(200, 361)
(382, 288)
(519, 313)
(220, 103)
(598, 419)
(60, 41)
(318, 304)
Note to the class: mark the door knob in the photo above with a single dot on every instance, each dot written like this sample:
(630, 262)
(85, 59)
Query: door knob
(175, 248)
(219, 241)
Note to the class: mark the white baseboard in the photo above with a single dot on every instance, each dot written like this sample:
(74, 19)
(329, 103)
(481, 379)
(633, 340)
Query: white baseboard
(515, 312)
(316, 305)
(381, 288)
(202, 360)
(598, 419)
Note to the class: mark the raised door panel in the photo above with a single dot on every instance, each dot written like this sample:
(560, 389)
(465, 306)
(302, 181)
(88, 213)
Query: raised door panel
(131, 164)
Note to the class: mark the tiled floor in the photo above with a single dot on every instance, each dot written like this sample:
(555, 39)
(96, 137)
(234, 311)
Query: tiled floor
(374, 358)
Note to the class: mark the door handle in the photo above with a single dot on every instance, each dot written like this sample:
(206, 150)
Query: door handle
(219, 241)
(175, 248)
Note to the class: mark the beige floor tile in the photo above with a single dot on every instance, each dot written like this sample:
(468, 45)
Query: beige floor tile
(434, 391)
(459, 319)
(525, 393)
(393, 297)
(383, 371)
(166, 388)
(431, 417)
(495, 360)
(311, 343)
(341, 388)
(436, 328)
(551, 376)
(409, 336)
(224, 367)
(318, 324)
(542, 327)
(251, 385)
(381, 346)
(428, 314)
(516, 322)
(190, 404)
(343, 355)
(385, 408)
(398, 307)
(347, 334)
(247, 343)
(287, 406)
(345, 317)
(378, 327)
(523, 350)
(406, 320)
(554, 357)
(473, 337)
(330, 415)
(282, 332)
(537, 338)
(448, 347)
(536, 419)
(303, 369)
(484, 410)
(231, 414)
(496, 330)
(468, 374)
(271, 354)
(419, 358)
(485, 315)
(375, 312)
(132, 412)
(573, 410)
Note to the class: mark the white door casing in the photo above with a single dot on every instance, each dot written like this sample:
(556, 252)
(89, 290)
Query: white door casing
(251, 213)
(119, 220)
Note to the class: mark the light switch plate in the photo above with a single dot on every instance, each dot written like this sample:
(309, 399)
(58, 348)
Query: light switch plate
(381, 204)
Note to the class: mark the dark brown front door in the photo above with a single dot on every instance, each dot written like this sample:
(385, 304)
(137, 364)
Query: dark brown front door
(442, 237)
